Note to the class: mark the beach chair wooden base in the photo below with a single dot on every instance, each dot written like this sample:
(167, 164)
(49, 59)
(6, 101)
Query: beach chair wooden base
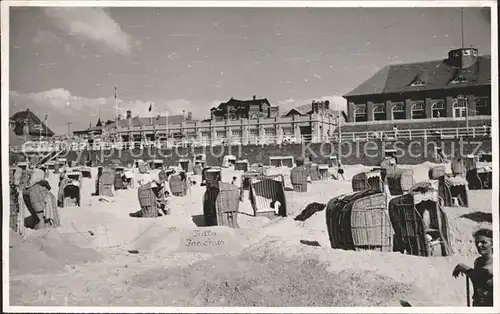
(179, 194)
(300, 187)
(71, 202)
(268, 214)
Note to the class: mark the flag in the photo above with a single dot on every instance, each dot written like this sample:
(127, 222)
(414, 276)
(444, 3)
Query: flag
(116, 92)
(150, 107)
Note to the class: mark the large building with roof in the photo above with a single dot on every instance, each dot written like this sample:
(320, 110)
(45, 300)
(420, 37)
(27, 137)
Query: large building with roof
(319, 107)
(235, 109)
(456, 88)
(28, 125)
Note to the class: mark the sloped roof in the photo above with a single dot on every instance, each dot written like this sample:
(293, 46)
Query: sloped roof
(33, 121)
(304, 109)
(437, 74)
(233, 101)
(91, 129)
(307, 109)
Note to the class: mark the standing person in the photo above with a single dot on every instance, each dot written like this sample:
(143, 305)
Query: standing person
(485, 128)
(162, 192)
(340, 171)
(395, 130)
(482, 273)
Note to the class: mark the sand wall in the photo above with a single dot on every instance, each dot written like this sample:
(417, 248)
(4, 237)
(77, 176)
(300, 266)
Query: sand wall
(362, 152)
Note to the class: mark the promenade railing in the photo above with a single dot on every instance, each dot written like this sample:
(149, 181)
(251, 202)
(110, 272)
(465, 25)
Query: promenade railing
(407, 134)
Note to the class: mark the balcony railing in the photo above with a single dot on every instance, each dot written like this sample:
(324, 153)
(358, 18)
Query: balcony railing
(417, 134)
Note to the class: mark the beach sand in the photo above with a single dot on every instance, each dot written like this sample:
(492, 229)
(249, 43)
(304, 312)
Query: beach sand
(90, 260)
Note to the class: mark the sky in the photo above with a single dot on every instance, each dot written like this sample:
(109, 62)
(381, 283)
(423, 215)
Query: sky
(65, 62)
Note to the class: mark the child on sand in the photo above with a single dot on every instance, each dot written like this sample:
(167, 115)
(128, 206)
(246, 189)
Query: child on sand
(340, 172)
(482, 273)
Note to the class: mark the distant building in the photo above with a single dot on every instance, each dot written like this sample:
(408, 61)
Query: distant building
(137, 126)
(457, 87)
(27, 125)
(96, 130)
(244, 109)
(319, 107)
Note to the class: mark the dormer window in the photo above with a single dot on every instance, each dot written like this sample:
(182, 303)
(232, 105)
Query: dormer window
(418, 83)
(459, 79)
(420, 79)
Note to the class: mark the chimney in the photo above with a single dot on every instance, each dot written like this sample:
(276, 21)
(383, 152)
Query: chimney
(254, 97)
(462, 58)
(189, 116)
(327, 104)
(129, 114)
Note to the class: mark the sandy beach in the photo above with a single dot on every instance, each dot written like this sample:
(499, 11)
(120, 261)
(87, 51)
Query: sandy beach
(102, 257)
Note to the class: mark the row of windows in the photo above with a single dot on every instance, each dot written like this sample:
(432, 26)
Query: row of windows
(417, 110)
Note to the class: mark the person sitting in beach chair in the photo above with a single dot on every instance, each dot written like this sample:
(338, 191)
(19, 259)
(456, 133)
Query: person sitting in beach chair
(41, 203)
(482, 273)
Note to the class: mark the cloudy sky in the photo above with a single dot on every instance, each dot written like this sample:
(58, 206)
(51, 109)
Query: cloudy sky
(66, 61)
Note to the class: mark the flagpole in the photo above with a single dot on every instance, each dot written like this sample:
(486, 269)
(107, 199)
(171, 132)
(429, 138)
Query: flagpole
(116, 108)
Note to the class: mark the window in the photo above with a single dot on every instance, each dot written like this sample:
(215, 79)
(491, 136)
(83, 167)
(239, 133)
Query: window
(483, 106)
(220, 134)
(236, 133)
(190, 135)
(418, 83)
(254, 132)
(438, 109)
(270, 132)
(378, 113)
(287, 131)
(418, 110)
(205, 134)
(360, 114)
(459, 79)
(459, 107)
(398, 112)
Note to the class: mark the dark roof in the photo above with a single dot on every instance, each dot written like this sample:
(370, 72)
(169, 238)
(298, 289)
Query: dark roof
(437, 74)
(307, 109)
(91, 129)
(99, 123)
(159, 120)
(233, 101)
(34, 123)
